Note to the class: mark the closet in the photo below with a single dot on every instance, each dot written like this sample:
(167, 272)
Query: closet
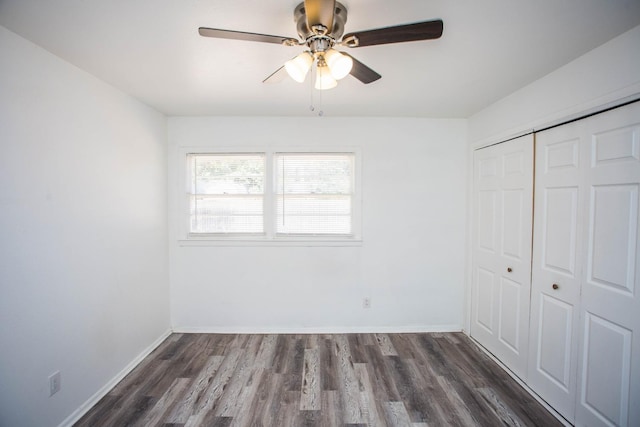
(582, 302)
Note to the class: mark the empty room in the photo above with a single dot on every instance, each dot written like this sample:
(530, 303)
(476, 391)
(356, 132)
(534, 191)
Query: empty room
(319, 213)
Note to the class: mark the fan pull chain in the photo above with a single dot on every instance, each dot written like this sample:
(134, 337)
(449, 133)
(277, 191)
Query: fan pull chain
(312, 107)
(320, 112)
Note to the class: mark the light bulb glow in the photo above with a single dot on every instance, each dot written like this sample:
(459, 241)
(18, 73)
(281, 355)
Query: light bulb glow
(324, 79)
(298, 67)
(339, 64)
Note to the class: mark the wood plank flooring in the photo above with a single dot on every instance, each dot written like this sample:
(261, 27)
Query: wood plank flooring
(356, 380)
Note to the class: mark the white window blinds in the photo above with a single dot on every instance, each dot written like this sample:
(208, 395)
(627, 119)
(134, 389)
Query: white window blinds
(227, 193)
(314, 193)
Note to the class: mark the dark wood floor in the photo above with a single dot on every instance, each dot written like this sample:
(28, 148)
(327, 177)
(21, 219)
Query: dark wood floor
(362, 380)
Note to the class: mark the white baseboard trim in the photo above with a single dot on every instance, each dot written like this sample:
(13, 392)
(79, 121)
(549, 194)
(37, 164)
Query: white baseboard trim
(522, 384)
(317, 330)
(84, 408)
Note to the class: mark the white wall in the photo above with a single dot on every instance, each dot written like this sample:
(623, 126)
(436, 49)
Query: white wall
(83, 252)
(411, 260)
(601, 76)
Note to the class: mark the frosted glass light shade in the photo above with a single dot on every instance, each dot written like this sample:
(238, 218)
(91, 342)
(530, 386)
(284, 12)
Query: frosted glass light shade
(298, 67)
(340, 65)
(324, 79)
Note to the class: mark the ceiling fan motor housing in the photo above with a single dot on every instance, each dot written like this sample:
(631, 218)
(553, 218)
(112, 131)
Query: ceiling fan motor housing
(339, 21)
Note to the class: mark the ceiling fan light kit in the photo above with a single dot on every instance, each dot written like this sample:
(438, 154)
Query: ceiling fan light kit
(339, 64)
(298, 67)
(324, 79)
(320, 25)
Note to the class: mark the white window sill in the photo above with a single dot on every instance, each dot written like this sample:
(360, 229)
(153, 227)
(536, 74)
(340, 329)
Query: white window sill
(258, 242)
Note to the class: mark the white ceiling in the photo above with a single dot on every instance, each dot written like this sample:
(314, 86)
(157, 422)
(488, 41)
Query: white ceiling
(151, 49)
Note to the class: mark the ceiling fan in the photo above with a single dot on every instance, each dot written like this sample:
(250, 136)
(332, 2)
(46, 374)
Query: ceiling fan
(320, 25)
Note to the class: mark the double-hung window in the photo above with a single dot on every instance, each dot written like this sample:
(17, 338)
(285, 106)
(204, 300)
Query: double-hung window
(227, 194)
(314, 194)
(273, 196)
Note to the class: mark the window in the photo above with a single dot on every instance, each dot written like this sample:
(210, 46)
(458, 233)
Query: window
(273, 196)
(227, 193)
(314, 193)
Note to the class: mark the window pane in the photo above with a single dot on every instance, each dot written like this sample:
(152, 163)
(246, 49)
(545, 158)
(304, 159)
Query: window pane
(314, 193)
(227, 193)
(314, 215)
(314, 205)
(315, 173)
(228, 174)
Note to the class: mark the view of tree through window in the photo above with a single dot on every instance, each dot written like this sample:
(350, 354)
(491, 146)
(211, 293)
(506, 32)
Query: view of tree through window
(227, 193)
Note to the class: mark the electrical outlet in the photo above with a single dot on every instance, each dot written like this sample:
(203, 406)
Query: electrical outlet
(54, 383)
(366, 302)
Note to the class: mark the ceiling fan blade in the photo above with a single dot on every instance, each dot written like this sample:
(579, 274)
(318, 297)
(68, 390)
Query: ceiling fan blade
(241, 35)
(361, 72)
(427, 30)
(320, 12)
(277, 76)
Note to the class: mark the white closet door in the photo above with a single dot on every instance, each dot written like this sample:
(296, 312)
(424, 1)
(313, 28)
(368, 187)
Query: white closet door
(503, 186)
(609, 353)
(555, 288)
(585, 308)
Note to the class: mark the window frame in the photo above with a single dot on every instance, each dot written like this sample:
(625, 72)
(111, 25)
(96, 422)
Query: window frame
(276, 193)
(269, 237)
(190, 185)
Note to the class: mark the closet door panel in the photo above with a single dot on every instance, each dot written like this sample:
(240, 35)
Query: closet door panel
(555, 289)
(585, 302)
(560, 218)
(561, 155)
(510, 315)
(488, 205)
(513, 205)
(609, 360)
(612, 244)
(555, 341)
(606, 373)
(484, 310)
(487, 216)
(503, 183)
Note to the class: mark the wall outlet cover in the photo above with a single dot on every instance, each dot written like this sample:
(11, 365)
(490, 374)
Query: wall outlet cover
(54, 383)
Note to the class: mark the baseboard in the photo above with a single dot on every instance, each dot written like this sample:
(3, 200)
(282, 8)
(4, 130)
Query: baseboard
(533, 394)
(78, 413)
(317, 330)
